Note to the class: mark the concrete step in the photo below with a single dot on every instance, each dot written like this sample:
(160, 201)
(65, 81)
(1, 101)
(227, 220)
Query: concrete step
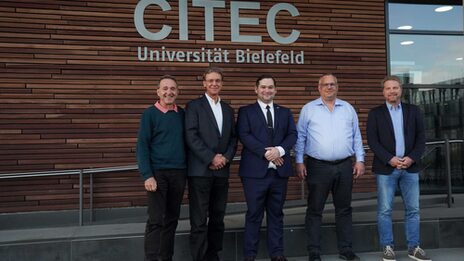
(440, 254)
(441, 227)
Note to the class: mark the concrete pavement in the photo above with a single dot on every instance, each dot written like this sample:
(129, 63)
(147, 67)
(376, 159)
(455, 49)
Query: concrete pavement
(438, 254)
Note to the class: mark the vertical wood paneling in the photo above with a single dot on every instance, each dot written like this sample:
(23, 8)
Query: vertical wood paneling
(72, 88)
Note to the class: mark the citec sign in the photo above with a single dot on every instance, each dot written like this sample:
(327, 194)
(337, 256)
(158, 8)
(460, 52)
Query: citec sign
(218, 54)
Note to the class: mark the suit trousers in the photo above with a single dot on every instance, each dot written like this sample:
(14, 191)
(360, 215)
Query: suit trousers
(324, 178)
(207, 200)
(264, 194)
(163, 214)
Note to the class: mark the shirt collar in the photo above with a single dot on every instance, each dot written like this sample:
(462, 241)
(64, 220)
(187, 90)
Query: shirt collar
(164, 110)
(211, 101)
(392, 107)
(320, 102)
(263, 105)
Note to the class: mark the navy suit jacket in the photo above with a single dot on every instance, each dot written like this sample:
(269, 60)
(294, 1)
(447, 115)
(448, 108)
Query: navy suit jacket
(204, 140)
(253, 133)
(381, 137)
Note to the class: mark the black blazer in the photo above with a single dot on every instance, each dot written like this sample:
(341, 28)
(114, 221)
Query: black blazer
(253, 133)
(381, 137)
(204, 140)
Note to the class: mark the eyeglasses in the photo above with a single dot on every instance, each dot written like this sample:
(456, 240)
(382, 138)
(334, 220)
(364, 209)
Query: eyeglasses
(330, 84)
(210, 81)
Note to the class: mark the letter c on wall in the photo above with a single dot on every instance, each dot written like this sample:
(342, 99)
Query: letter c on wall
(140, 24)
(270, 23)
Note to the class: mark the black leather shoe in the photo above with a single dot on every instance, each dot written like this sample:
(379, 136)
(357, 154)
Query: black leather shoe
(249, 258)
(314, 257)
(348, 255)
(278, 258)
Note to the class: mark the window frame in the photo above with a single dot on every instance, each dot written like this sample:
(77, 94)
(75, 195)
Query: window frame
(389, 32)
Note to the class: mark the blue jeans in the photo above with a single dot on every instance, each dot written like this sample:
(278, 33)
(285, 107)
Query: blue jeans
(408, 184)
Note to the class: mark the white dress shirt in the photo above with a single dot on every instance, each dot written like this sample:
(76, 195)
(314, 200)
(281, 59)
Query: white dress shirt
(263, 106)
(217, 111)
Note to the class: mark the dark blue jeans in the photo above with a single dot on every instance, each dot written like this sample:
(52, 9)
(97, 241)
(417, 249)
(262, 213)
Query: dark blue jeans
(324, 178)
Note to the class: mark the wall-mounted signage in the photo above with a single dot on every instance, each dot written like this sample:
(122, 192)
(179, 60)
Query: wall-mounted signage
(218, 55)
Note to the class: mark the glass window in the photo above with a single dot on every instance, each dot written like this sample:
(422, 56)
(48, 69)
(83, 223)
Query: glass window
(427, 59)
(426, 50)
(425, 17)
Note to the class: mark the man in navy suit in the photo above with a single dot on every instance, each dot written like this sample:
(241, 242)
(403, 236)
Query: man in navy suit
(267, 132)
(211, 140)
(396, 135)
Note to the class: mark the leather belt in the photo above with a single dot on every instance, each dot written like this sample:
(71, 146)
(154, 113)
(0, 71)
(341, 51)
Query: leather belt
(329, 162)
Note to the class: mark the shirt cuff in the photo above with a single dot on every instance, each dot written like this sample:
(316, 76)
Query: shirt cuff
(281, 151)
(299, 159)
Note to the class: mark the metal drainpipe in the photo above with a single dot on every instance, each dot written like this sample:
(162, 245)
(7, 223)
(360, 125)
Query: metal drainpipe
(91, 198)
(81, 198)
(448, 173)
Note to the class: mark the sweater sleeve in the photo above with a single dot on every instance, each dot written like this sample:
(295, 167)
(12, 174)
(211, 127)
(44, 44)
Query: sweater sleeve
(143, 146)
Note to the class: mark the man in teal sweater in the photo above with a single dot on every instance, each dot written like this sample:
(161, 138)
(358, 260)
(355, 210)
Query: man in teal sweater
(162, 165)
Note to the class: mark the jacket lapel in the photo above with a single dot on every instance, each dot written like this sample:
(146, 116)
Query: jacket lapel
(260, 113)
(225, 118)
(405, 109)
(388, 120)
(276, 115)
(210, 114)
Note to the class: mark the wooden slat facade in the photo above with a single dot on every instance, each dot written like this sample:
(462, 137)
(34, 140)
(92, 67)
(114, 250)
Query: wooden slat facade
(72, 87)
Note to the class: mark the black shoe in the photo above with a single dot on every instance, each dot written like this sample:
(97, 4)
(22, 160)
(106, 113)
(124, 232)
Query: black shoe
(211, 256)
(278, 258)
(348, 255)
(249, 258)
(314, 257)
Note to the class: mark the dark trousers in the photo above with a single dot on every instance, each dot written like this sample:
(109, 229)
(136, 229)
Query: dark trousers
(207, 200)
(323, 178)
(264, 194)
(163, 214)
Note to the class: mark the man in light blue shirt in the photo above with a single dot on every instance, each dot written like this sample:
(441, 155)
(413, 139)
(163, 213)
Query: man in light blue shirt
(396, 114)
(329, 135)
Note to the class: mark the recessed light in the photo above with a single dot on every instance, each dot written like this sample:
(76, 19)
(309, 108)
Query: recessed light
(407, 42)
(459, 59)
(445, 8)
(405, 27)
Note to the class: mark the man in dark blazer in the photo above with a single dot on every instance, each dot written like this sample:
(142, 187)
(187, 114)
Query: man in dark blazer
(396, 135)
(211, 140)
(267, 132)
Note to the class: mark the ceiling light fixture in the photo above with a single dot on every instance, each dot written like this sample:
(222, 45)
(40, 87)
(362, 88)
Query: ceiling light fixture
(407, 42)
(445, 8)
(459, 59)
(405, 27)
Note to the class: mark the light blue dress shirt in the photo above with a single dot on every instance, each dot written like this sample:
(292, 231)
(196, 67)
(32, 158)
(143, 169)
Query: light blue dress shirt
(327, 135)
(396, 114)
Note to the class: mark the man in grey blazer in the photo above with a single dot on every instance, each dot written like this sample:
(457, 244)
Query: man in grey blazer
(211, 140)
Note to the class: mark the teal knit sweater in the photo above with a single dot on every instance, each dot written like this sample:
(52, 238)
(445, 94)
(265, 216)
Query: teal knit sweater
(160, 143)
